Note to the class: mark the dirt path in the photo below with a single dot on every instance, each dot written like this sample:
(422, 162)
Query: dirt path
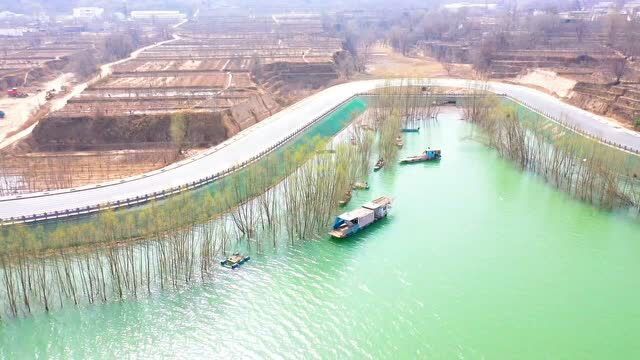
(304, 54)
(19, 110)
(228, 84)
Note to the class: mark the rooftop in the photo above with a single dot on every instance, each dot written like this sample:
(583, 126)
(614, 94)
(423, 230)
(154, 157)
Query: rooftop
(355, 214)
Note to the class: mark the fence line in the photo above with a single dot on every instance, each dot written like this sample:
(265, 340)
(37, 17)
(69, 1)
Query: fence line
(158, 195)
(575, 129)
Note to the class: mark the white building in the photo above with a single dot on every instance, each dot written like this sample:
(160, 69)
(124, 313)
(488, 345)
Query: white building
(632, 9)
(159, 15)
(20, 31)
(604, 5)
(455, 7)
(9, 15)
(88, 12)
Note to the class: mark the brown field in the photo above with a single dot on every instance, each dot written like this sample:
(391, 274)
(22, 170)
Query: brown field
(387, 63)
(209, 66)
(207, 72)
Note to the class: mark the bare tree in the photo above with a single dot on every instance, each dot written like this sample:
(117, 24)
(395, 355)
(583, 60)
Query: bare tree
(256, 67)
(483, 54)
(612, 25)
(618, 67)
(580, 29)
(344, 62)
(448, 66)
(83, 64)
(178, 131)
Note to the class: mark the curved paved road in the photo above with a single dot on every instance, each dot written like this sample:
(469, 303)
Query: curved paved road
(252, 141)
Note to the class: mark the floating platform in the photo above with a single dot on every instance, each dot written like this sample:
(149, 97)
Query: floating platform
(235, 260)
(360, 185)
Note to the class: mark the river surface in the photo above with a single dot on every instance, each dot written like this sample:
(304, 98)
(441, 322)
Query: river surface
(477, 260)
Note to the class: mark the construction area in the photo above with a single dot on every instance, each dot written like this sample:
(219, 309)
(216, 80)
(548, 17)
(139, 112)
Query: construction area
(219, 75)
(35, 68)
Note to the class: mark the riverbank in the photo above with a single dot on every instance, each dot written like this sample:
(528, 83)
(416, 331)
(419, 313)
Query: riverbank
(255, 139)
(469, 283)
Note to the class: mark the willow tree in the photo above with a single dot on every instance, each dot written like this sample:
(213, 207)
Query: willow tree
(178, 131)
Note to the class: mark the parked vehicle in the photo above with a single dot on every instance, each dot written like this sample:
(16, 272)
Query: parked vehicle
(16, 94)
(50, 95)
(1, 114)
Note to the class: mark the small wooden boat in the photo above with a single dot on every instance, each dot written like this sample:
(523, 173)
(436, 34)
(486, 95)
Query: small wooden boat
(411, 129)
(347, 197)
(379, 164)
(234, 261)
(427, 155)
(399, 142)
(360, 185)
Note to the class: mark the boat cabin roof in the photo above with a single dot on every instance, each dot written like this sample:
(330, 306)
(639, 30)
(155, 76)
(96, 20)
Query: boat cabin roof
(355, 214)
(377, 203)
(371, 205)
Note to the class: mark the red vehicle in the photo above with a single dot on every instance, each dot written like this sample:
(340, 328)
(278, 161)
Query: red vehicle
(16, 94)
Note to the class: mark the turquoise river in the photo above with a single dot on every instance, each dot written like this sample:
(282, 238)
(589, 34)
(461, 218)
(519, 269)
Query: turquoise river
(477, 261)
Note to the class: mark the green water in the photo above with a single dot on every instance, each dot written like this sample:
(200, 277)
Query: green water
(477, 260)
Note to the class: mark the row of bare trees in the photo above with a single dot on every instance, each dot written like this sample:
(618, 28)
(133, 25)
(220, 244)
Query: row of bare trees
(179, 242)
(29, 173)
(590, 171)
(285, 198)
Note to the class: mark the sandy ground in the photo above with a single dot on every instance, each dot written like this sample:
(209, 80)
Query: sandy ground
(549, 81)
(385, 62)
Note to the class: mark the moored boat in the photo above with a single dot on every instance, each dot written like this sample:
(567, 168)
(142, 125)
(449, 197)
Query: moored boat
(411, 129)
(399, 142)
(235, 260)
(379, 164)
(347, 197)
(353, 221)
(427, 155)
(360, 185)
